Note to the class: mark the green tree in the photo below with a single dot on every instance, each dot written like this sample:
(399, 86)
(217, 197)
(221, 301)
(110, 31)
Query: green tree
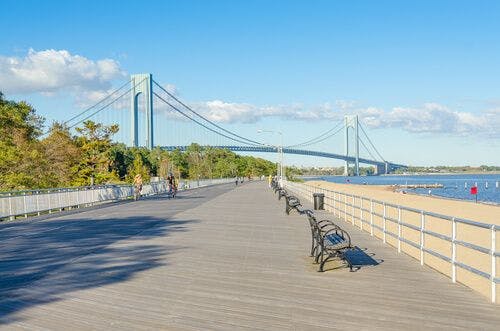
(138, 168)
(21, 156)
(95, 145)
(62, 153)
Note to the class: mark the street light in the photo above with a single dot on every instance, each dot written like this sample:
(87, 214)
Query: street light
(279, 149)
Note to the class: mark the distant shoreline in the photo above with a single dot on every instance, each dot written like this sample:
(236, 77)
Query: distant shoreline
(444, 173)
(414, 174)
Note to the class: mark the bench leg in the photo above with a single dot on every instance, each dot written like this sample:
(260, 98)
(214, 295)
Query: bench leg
(322, 264)
(313, 248)
(338, 254)
(348, 262)
(319, 254)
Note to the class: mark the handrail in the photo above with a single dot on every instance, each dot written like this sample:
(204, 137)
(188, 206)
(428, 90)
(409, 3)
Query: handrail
(35, 202)
(58, 189)
(343, 205)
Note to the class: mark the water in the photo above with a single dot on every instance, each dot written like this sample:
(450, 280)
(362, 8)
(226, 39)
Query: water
(455, 186)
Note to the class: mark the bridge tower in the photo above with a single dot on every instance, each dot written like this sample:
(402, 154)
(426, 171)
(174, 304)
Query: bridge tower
(141, 83)
(351, 122)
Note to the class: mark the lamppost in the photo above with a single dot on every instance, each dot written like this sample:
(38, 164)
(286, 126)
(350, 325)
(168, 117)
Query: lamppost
(279, 149)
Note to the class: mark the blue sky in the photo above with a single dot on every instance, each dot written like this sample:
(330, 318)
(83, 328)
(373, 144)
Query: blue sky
(423, 75)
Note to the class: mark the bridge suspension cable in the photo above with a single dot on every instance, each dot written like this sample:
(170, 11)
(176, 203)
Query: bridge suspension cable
(203, 125)
(322, 137)
(248, 141)
(98, 103)
(366, 148)
(371, 143)
(94, 106)
(106, 106)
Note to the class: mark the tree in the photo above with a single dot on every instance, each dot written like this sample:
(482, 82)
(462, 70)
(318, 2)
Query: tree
(21, 156)
(62, 153)
(95, 145)
(138, 168)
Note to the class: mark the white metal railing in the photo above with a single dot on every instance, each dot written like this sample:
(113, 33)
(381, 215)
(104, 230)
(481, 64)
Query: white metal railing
(36, 202)
(364, 211)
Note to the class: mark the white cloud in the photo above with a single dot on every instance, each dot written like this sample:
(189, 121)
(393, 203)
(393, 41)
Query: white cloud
(429, 118)
(434, 118)
(228, 112)
(50, 71)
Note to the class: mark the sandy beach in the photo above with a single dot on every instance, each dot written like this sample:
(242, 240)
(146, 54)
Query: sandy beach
(462, 209)
(455, 208)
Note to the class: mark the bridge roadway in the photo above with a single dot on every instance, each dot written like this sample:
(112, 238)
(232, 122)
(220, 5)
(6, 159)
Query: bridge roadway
(218, 258)
(272, 149)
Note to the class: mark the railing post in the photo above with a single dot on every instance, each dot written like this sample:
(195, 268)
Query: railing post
(11, 217)
(77, 198)
(384, 223)
(68, 200)
(334, 206)
(24, 205)
(37, 203)
(352, 208)
(49, 193)
(59, 199)
(399, 229)
(422, 238)
(493, 264)
(345, 207)
(361, 213)
(453, 250)
(371, 217)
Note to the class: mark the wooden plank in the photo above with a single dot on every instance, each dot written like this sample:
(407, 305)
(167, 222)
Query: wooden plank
(219, 258)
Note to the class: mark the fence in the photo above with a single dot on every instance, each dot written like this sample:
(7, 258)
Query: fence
(462, 249)
(36, 202)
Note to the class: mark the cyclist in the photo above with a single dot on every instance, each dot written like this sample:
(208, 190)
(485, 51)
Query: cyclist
(137, 186)
(172, 188)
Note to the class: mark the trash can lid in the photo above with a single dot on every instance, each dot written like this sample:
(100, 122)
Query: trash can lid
(318, 195)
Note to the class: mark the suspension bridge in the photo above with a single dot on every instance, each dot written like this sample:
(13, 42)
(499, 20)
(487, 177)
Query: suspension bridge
(158, 118)
(226, 257)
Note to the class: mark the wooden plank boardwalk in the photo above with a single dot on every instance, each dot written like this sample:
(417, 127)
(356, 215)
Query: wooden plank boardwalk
(219, 258)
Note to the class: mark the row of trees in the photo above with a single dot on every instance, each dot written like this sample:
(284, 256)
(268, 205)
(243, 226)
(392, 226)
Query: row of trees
(335, 171)
(29, 159)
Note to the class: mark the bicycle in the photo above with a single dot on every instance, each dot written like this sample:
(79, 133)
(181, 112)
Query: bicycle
(137, 192)
(172, 191)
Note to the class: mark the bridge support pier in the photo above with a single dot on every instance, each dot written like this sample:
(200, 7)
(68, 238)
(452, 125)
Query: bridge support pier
(141, 83)
(382, 168)
(353, 123)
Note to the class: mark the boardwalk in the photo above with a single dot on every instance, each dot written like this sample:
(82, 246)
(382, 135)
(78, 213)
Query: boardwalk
(220, 258)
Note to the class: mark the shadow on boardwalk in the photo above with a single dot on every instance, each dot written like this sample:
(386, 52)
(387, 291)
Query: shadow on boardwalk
(358, 257)
(40, 262)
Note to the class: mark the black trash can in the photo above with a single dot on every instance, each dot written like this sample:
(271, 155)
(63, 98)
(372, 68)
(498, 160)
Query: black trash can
(319, 201)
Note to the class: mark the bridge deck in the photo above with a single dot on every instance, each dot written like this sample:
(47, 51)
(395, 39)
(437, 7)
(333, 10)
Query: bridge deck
(215, 258)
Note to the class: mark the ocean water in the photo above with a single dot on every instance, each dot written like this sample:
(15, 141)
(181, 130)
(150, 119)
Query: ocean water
(455, 186)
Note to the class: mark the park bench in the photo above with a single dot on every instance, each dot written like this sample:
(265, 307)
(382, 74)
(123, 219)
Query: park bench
(317, 228)
(282, 193)
(293, 203)
(328, 240)
(334, 242)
